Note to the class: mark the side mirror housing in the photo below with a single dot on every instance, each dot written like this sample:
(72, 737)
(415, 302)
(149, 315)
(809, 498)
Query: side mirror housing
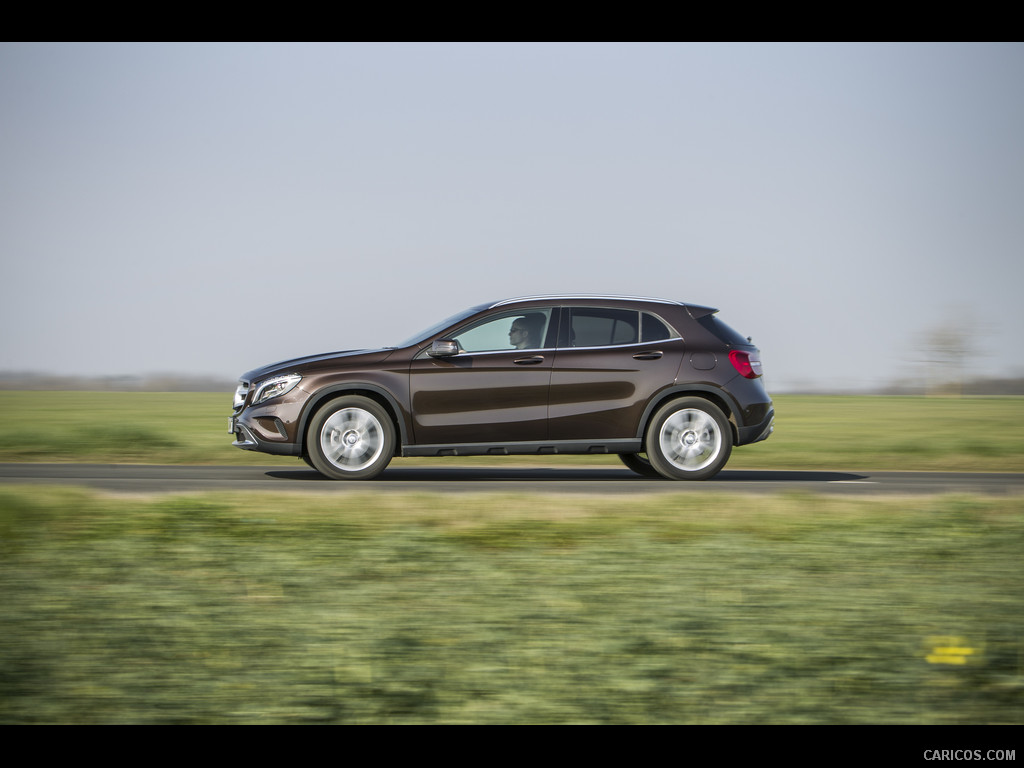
(443, 348)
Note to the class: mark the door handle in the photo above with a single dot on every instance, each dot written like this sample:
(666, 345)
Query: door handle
(653, 355)
(529, 360)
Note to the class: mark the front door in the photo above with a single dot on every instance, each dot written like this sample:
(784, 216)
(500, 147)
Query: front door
(495, 390)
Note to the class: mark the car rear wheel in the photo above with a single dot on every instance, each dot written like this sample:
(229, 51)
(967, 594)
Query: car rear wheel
(351, 438)
(689, 439)
(639, 463)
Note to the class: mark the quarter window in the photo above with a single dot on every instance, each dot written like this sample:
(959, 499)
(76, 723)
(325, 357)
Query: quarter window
(654, 329)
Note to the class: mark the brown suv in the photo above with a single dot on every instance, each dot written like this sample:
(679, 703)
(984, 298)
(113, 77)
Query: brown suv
(665, 385)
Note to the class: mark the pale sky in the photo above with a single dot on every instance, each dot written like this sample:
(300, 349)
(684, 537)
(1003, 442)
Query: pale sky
(204, 209)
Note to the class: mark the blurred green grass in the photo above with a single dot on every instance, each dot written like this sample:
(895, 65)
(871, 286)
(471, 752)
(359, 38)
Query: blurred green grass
(812, 432)
(416, 608)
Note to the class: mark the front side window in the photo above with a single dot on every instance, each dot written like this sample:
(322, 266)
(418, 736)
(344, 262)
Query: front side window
(525, 329)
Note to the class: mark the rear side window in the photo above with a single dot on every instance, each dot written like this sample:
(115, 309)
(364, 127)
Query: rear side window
(599, 327)
(723, 332)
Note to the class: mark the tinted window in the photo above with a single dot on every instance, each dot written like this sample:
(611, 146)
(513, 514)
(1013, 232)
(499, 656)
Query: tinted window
(593, 327)
(654, 329)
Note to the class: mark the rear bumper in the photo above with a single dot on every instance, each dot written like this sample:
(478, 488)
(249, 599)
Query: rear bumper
(755, 433)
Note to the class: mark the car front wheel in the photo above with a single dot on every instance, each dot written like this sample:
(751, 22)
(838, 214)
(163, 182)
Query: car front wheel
(689, 439)
(351, 438)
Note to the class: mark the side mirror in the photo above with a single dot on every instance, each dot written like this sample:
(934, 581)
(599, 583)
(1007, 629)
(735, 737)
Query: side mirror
(444, 348)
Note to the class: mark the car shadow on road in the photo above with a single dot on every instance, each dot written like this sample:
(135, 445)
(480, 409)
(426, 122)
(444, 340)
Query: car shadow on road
(563, 474)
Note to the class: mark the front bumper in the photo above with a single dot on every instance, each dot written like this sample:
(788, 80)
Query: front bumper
(268, 428)
(247, 439)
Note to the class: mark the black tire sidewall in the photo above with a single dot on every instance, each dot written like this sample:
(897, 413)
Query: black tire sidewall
(315, 454)
(653, 441)
(639, 464)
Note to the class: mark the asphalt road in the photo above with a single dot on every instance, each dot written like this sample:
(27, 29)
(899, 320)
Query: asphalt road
(139, 478)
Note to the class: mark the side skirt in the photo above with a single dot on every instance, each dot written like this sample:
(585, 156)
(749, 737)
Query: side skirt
(549, 448)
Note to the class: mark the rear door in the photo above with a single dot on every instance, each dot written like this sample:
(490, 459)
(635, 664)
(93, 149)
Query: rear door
(610, 361)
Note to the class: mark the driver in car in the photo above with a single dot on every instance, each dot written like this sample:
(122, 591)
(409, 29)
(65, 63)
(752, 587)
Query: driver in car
(525, 331)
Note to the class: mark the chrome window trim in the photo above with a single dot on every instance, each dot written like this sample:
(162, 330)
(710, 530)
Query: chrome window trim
(647, 344)
(528, 352)
(462, 355)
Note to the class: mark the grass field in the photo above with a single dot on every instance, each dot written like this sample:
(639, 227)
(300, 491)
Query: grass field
(427, 608)
(520, 609)
(812, 432)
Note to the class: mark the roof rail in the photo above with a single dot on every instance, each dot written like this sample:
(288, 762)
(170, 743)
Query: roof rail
(602, 296)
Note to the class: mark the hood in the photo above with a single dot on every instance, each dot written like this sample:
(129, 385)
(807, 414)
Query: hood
(314, 362)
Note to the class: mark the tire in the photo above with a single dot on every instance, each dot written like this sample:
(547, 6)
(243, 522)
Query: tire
(639, 463)
(689, 439)
(350, 438)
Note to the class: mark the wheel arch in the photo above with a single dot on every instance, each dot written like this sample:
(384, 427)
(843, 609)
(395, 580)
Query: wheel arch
(364, 389)
(718, 397)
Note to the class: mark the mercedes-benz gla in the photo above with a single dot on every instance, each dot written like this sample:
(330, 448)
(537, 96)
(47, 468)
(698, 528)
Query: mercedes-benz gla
(665, 385)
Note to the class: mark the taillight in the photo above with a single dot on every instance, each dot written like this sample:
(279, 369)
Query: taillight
(747, 363)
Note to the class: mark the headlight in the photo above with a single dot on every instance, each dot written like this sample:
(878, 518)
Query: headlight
(240, 392)
(275, 387)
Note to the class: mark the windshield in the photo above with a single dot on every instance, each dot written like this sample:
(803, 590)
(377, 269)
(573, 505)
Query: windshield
(438, 327)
